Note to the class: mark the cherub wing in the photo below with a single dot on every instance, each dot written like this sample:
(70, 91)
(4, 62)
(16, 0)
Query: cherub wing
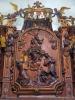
(14, 6)
(62, 9)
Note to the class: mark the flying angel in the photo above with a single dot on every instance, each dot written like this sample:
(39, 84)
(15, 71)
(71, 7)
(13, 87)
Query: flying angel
(60, 16)
(59, 13)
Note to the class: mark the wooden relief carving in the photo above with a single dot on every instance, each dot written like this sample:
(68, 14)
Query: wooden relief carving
(37, 63)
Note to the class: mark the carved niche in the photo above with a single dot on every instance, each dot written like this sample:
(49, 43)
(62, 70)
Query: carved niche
(37, 68)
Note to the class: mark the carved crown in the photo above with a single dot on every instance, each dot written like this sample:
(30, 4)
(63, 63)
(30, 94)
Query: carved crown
(38, 8)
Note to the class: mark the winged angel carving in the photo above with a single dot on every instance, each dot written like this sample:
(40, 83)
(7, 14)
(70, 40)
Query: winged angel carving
(60, 15)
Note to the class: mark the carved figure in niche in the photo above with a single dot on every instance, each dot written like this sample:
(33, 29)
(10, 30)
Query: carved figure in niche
(23, 78)
(48, 76)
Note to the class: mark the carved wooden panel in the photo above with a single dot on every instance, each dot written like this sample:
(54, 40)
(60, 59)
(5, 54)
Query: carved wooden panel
(37, 63)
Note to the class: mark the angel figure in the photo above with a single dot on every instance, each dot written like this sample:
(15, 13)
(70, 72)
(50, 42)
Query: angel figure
(59, 14)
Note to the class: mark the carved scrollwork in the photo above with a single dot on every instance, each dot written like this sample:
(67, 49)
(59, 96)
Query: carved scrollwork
(15, 88)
